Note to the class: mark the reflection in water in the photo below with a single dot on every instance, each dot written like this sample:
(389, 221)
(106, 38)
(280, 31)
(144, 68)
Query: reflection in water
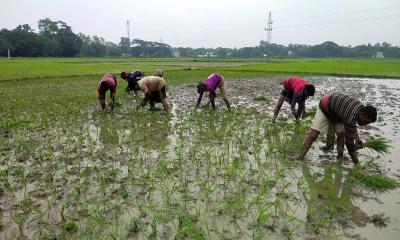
(108, 133)
(329, 199)
(152, 131)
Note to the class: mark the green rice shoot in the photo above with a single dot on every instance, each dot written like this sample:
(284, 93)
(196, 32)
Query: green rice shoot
(380, 145)
(311, 112)
(379, 182)
(262, 99)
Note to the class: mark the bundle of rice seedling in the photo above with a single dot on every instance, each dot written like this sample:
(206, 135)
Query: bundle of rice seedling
(380, 145)
(262, 99)
(118, 104)
(378, 182)
(311, 112)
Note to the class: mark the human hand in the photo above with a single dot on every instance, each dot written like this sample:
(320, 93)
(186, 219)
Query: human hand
(359, 144)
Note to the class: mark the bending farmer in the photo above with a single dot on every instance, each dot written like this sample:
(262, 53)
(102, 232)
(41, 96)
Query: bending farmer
(107, 82)
(211, 84)
(340, 113)
(132, 78)
(154, 91)
(159, 73)
(296, 91)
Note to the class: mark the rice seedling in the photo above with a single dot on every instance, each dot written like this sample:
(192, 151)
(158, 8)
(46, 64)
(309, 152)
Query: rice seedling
(311, 112)
(374, 182)
(378, 182)
(71, 226)
(263, 99)
(131, 173)
(380, 145)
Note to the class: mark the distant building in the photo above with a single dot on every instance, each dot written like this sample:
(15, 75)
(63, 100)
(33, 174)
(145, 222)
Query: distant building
(207, 55)
(289, 53)
(379, 55)
(176, 53)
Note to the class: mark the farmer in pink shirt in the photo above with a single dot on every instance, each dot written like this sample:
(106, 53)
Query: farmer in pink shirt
(296, 91)
(211, 84)
(107, 82)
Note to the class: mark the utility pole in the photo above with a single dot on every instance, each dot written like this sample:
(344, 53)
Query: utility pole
(128, 27)
(162, 47)
(9, 57)
(269, 35)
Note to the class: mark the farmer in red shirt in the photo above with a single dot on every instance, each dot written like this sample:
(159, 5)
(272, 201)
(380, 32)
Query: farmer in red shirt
(296, 91)
(107, 82)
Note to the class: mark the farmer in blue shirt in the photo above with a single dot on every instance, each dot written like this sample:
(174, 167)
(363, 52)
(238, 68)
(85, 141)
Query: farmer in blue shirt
(132, 79)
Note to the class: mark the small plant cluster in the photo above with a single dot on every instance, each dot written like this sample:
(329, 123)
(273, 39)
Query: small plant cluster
(263, 99)
(375, 181)
(378, 182)
(380, 145)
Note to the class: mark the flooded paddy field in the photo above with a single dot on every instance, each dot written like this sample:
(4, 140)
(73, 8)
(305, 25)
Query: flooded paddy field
(198, 174)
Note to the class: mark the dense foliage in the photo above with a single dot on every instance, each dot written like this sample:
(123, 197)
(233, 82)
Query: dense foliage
(56, 39)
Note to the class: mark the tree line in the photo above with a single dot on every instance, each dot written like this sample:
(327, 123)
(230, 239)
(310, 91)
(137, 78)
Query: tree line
(56, 39)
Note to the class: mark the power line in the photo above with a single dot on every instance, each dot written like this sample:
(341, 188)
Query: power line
(256, 27)
(238, 33)
(341, 13)
(388, 17)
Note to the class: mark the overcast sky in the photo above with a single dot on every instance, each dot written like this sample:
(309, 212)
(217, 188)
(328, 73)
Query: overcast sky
(217, 23)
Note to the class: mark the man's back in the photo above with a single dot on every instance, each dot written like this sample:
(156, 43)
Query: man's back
(152, 83)
(294, 84)
(344, 108)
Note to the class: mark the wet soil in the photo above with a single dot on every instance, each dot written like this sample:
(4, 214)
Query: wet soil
(374, 215)
(130, 167)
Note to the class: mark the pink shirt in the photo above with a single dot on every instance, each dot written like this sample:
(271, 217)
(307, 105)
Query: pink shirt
(294, 84)
(211, 83)
(108, 81)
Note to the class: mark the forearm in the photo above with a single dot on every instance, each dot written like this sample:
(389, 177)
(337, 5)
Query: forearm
(356, 136)
(300, 109)
(354, 157)
(103, 103)
(293, 108)
(199, 100)
(350, 134)
(213, 102)
(145, 100)
(198, 103)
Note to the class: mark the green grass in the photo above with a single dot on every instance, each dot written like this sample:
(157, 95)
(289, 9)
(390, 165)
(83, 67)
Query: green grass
(30, 68)
(48, 83)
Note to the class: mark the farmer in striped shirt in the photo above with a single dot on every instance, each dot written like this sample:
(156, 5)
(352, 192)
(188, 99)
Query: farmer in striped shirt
(107, 82)
(341, 113)
(211, 84)
(296, 91)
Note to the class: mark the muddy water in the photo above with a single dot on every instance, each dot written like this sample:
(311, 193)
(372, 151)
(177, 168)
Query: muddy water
(373, 215)
(226, 175)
